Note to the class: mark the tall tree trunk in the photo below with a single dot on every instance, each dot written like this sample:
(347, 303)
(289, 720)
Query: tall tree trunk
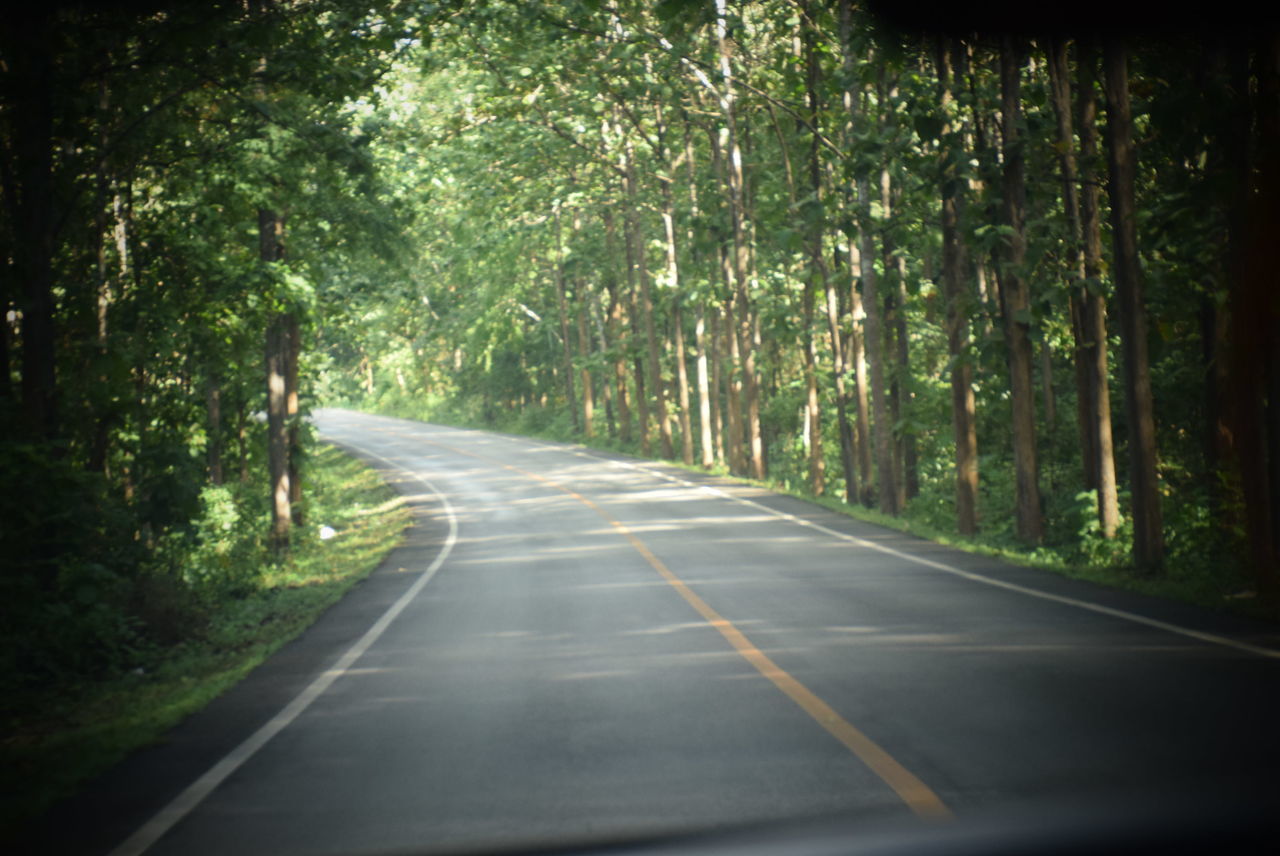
(898, 367)
(706, 433)
(882, 428)
(617, 331)
(271, 246)
(1253, 317)
(813, 408)
(1016, 301)
(99, 416)
(642, 400)
(1088, 308)
(817, 274)
(1148, 533)
(1228, 68)
(706, 442)
(857, 350)
(674, 285)
(584, 351)
(640, 259)
(603, 347)
(909, 484)
(848, 467)
(717, 384)
(682, 383)
(868, 351)
(1046, 385)
(735, 444)
(1094, 305)
(566, 349)
(963, 408)
(741, 263)
(1060, 95)
(292, 355)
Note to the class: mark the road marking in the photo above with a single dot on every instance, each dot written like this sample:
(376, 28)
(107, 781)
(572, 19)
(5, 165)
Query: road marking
(181, 805)
(1099, 609)
(918, 796)
(1123, 615)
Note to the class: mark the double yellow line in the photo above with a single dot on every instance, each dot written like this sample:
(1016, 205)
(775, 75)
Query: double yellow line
(918, 796)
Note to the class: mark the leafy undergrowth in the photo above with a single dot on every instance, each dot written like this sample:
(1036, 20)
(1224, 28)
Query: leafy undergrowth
(1201, 569)
(59, 735)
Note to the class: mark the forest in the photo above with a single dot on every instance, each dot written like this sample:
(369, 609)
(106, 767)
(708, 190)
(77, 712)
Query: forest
(1015, 283)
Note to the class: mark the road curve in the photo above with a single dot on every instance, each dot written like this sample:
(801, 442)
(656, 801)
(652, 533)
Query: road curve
(575, 645)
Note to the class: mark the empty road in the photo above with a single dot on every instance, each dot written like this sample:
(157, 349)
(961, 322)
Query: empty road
(574, 646)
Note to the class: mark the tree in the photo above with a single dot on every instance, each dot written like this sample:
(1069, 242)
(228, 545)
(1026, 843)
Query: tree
(1148, 532)
(953, 271)
(1015, 297)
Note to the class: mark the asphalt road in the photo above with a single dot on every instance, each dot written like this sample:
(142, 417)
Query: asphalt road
(576, 646)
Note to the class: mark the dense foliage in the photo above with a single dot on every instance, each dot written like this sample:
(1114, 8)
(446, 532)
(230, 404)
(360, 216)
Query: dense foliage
(1010, 283)
(1014, 284)
(143, 145)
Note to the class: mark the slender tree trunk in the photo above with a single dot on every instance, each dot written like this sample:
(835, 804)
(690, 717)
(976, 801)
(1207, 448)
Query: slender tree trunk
(813, 408)
(706, 444)
(1148, 534)
(1046, 385)
(717, 384)
(1078, 293)
(674, 284)
(640, 258)
(882, 428)
(617, 332)
(817, 274)
(741, 264)
(584, 351)
(642, 399)
(868, 352)
(863, 441)
(1016, 300)
(292, 355)
(1094, 305)
(278, 435)
(963, 408)
(1060, 93)
(909, 484)
(682, 383)
(847, 465)
(97, 461)
(271, 244)
(603, 347)
(735, 444)
(566, 344)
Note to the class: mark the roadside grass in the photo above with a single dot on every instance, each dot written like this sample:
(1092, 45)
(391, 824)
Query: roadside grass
(59, 737)
(1214, 583)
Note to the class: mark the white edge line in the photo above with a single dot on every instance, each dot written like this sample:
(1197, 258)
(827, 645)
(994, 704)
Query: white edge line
(181, 805)
(1199, 635)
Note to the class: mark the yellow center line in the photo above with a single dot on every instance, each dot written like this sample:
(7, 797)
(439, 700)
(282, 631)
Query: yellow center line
(918, 796)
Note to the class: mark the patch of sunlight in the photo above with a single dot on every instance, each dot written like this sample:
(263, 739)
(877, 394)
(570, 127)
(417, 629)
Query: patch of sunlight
(393, 503)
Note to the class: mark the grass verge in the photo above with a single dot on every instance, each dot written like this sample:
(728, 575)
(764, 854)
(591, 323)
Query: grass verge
(58, 737)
